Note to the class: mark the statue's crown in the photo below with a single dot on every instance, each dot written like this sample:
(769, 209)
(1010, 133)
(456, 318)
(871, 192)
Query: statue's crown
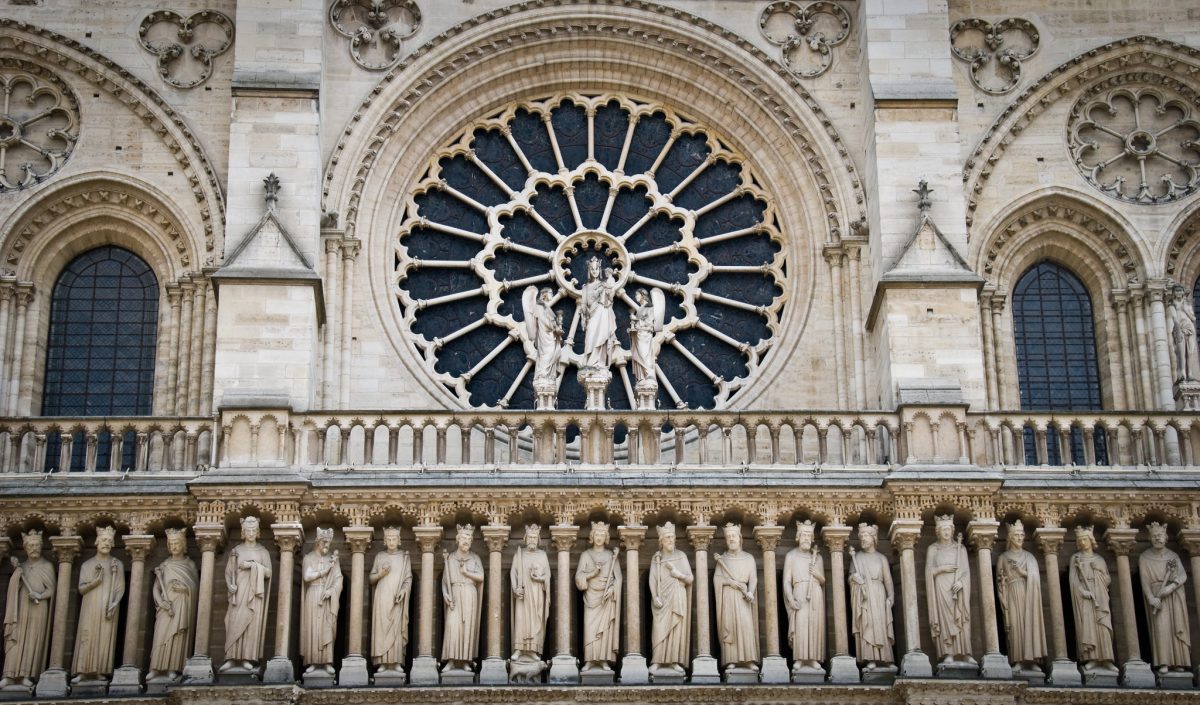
(251, 522)
(176, 533)
(106, 532)
(600, 526)
(390, 530)
(1016, 526)
(1155, 526)
(533, 528)
(464, 530)
(944, 520)
(806, 525)
(667, 529)
(1081, 531)
(865, 528)
(325, 534)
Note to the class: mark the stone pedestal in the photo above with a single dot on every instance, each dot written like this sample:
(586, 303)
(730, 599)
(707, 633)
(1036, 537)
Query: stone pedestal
(1174, 680)
(1136, 673)
(775, 670)
(996, 667)
(1033, 676)
(457, 676)
(879, 675)
(1101, 678)
(16, 692)
(1064, 674)
(705, 671)
(843, 669)
(1187, 395)
(160, 684)
(805, 674)
(646, 392)
(564, 670)
(634, 671)
(598, 676)
(279, 670)
(90, 689)
(389, 679)
(319, 678)
(595, 381)
(127, 680)
(198, 671)
(741, 675)
(666, 675)
(545, 394)
(354, 673)
(53, 684)
(424, 671)
(958, 670)
(493, 671)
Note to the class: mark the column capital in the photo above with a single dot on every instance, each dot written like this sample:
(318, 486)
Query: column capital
(24, 294)
(701, 536)
(138, 545)
(359, 538)
(66, 548)
(1050, 540)
(332, 243)
(982, 533)
(835, 537)
(495, 536)
(209, 536)
(1189, 539)
(768, 536)
(428, 537)
(350, 247)
(631, 536)
(1121, 541)
(288, 537)
(905, 533)
(564, 536)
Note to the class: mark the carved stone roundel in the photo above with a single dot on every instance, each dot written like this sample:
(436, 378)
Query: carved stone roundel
(185, 46)
(39, 124)
(528, 196)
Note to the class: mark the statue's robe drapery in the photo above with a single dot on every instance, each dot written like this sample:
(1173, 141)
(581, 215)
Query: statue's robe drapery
(601, 604)
(670, 634)
(949, 613)
(1093, 612)
(176, 586)
(27, 625)
(529, 576)
(1020, 587)
(246, 614)
(805, 604)
(96, 633)
(1170, 640)
(389, 609)
(872, 617)
(460, 639)
(737, 618)
(319, 608)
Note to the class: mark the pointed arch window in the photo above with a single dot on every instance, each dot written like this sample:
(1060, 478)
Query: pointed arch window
(1057, 363)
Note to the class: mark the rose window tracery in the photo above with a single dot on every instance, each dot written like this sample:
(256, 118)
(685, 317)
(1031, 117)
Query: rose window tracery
(552, 205)
(39, 124)
(1140, 145)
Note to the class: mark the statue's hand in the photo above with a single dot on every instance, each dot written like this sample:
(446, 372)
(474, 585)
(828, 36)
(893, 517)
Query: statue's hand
(520, 594)
(658, 604)
(814, 570)
(858, 579)
(1155, 602)
(956, 588)
(1087, 594)
(385, 569)
(450, 605)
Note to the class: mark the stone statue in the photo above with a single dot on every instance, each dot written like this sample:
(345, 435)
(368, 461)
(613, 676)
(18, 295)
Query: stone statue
(645, 321)
(1019, 583)
(1163, 575)
(543, 327)
(176, 587)
(462, 591)
(27, 615)
(735, 586)
(1181, 322)
(322, 575)
(599, 322)
(530, 602)
(804, 597)
(1089, 582)
(101, 587)
(391, 574)
(948, 584)
(670, 606)
(248, 582)
(599, 578)
(871, 600)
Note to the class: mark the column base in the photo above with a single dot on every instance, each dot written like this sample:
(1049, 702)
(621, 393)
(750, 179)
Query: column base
(53, 684)
(564, 669)
(354, 673)
(279, 670)
(493, 671)
(705, 671)
(843, 669)
(424, 671)
(1065, 674)
(774, 670)
(318, 678)
(996, 667)
(634, 671)
(198, 671)
(915, 664)
(126, 680)
(1136, 673)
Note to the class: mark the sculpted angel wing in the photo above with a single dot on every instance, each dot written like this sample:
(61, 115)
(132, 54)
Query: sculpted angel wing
(529, 309)
(659, 302)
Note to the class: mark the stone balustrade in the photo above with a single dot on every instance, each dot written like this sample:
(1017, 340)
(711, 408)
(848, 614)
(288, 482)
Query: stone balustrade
(105, 443)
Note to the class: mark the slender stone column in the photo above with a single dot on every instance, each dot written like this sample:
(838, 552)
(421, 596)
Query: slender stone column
(333, 331)
(982, 535)
(842, 666)
(998, 336)
(904, 533)
(53, 682)
(563, 668)
(1189, 539)
(633, 666)
(349, 254)
(494, 670)
(1135, 673)
(1063, 672)
(704, 665)
(424, 668)
(24, 297)
(353, 673)
(185, 347)
(288, 538)
(127, 680)
(198, 670)
(774, 666)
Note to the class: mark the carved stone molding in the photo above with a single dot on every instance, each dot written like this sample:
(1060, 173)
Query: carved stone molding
(376, 29)
(994, 52)
(806, 34)
(39, 124)
(203, 36)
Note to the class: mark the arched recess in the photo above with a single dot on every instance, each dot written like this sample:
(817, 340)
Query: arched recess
(1181, 249)
(1074, 231)
(646, 51)
(80, 214)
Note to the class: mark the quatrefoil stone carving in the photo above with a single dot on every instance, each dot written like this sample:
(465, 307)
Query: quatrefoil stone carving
(376, 29)
(185, 54)
(805, 34)
(994, 52)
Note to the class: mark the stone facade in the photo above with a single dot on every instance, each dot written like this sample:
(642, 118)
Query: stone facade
(349, 206)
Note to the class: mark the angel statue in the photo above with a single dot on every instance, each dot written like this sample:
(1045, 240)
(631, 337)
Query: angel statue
(544, 328)
(599, 322)
(647, 320)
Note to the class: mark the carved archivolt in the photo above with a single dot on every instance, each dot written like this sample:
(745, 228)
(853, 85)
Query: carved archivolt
(994, 51)
(376, 29)
(203, 35)
(806, 34)
(39, 124)
(1139, 142)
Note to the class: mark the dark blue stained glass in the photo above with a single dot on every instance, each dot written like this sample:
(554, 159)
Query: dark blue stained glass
(522, 229)
(464, 176)
(492, 382)
(591, 196)
(738, 214)
(1057, 363)
(696, 390)
(493, 149)
(552, 204)
(571, 130)
(463, 353)
(739, 324)
(758, 291)
(718, 180)
(443, 208)
(649, 138)
(628, 208)
(661, 230)
(529, 131)
(750, 250)
(671, 268)
(611, 124)
(427, 243)
(720, 357)
(441, 321)
(432, 283)
(688, 152)
(512, 266)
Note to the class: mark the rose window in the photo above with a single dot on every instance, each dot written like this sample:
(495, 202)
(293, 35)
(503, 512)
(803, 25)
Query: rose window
(1140, 146)
(599, 211)
(39, 123)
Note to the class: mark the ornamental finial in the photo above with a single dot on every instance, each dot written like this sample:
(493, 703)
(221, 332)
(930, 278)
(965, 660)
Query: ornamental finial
(922, 190)
(271, 184)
